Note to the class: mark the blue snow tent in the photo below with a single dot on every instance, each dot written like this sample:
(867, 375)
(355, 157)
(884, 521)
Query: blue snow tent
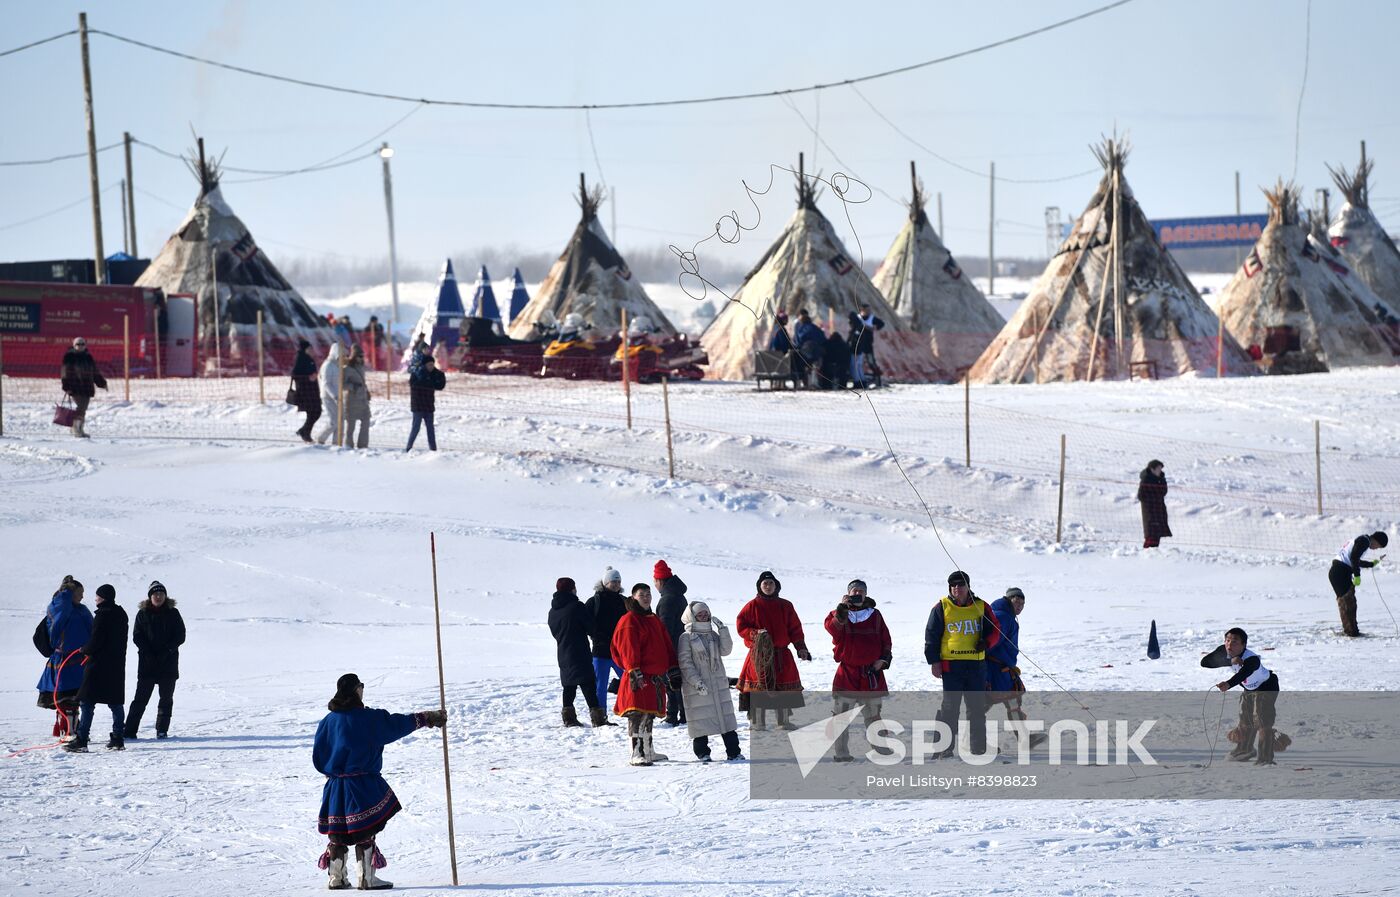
(518, 297)
(447, 313)
(484, 298)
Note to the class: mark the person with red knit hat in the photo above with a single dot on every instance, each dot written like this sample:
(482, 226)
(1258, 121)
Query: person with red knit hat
(570, 623)
(769, 680)
(670, 609)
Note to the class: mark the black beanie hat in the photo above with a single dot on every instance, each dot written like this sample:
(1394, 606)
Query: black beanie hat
(106, 592)
(768, 574)
(155, 586)
(959, 578)
(345, 695)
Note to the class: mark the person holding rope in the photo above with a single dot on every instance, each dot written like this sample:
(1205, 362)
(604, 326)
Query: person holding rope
(68, 626)
(961, 627)
(768, 624)
(1345, 575)
(104, 672)
(1004, 685)
(647, 654)
(1257, 705)
(861, 646)
(356, 802)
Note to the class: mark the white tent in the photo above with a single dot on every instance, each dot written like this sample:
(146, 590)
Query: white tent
(1361, 239)
(590, 279)
(924, 284)
(247, 282)
(1111, 304)
(1297, 305)
(807, 267)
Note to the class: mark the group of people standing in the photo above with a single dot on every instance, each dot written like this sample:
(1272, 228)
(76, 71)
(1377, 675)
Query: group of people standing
(829, 361)
(86, 664)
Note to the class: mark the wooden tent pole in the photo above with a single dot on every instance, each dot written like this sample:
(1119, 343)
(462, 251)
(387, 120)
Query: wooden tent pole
(1118, 264)
(1098, 318)
(442, 705)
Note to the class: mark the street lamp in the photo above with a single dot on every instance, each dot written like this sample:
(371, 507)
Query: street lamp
(386, 153)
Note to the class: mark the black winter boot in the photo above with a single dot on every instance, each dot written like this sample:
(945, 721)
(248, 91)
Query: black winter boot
(115, 742)
(79, 745)
(571, 718)
(162, 725)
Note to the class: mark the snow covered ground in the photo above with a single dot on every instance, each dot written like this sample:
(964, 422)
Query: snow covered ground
(293, 565)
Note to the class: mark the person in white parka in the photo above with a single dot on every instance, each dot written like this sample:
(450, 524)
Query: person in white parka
(700, 651)
(330, 392)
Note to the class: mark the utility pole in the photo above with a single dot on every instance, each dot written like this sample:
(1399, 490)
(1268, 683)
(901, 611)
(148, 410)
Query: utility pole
(942, 234)
(1237, 214)
(101, 260)
(126, 234)
(386, 153)
(992, 235)
(130, 197)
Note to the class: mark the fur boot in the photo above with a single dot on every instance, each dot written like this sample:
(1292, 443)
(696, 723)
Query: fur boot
(1244, 748)
(339, 879)
(599, 717)
(785, 720)
(571, 718)
(1346, 607)
(364, 858)
(652, 755)
(758, 719)
(638, 755)
(1266, 748)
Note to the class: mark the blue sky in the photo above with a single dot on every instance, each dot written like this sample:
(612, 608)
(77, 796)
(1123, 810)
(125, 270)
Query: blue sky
(1202, 87)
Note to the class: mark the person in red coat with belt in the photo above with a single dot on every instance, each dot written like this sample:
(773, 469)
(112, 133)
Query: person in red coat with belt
(768, 625)
(861, 646)
(647, 654)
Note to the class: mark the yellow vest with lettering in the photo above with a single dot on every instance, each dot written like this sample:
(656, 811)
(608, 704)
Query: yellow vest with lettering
(962, 627)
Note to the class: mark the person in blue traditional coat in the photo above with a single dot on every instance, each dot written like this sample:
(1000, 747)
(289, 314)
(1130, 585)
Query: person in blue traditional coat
(356, 802)
(1004, 685)
(69, 625)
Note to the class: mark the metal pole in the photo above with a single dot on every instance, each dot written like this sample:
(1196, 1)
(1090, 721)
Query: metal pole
(101, 259)
(262, 395)
(626, 374)
(1060, 513)
(967, 418)
(442, 705)
(130, 198)
(386, 153)
(126, 358)
(1317, 448)
(670, 449)
(992, 235)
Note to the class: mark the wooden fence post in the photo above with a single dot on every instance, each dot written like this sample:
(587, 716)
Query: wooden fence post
(626, 375)
(1317, 448)
(155, 315)
(2, 387)
(967, 418)
(126, 357)
(262, 394)
(1060, 513)
(670, 448)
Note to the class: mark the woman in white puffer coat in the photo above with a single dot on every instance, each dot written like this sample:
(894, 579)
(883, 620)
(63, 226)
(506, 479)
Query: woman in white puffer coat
(330, 393)
(700, 650)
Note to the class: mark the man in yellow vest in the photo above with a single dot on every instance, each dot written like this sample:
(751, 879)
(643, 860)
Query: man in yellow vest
(961, 627)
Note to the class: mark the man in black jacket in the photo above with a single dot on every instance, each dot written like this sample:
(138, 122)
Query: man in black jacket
(862, 340)
(80, 378)
(1345, 575)
(424, 383)
(607, 609)
(670, 609)
(570, 623)
(104, 671)
(159, 632)
(304, 389)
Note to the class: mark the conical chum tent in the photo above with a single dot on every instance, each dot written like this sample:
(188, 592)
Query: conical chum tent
(519, 298)
(924, 284)
(590, 279)
(1298, 306)
(213, 256)
(1361, 239)
(808, 267)
(484, 298)
(441, 321)
(1112, 304)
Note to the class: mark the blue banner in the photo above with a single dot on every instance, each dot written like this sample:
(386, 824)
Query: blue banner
(1203, 233)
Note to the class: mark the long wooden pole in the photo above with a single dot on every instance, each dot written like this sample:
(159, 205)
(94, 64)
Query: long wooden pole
(1118, 271)
(967, 419)
(218, 325)
(442, 705)
(155, 328)
(626, 374)
(991, 232)
(1060, 513)
(670, 448)
(1317, 448)
(1219, 347)
(262, 394)
(2, 386)
(126, 358)
(101, 259)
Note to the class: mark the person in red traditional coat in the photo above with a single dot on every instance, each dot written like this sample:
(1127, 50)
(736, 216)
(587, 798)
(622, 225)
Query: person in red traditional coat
(647, 654)
(861, 646)
(768, 625)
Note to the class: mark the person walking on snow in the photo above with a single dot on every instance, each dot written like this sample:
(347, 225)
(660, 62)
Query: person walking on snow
(861, 646)
(423, 387)
(1257, 705)
(1004, 685)
(569, 623)
(69, 626)
(104, 671)
(703, 645)
(644, 649)
(356, 399)
(961, 627)
(158, 632)
(80, 379)
(768, 624)
(1152, 495)
(1345, 575)
(606, 608)
(671, 608)
(306, 396)
(330, 393)
(356, 802)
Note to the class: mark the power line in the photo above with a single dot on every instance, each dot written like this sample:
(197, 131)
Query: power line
(319, 85)
(65, 158)
(39, 43)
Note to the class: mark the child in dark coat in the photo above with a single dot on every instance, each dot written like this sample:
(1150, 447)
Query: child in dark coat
(570, 622)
